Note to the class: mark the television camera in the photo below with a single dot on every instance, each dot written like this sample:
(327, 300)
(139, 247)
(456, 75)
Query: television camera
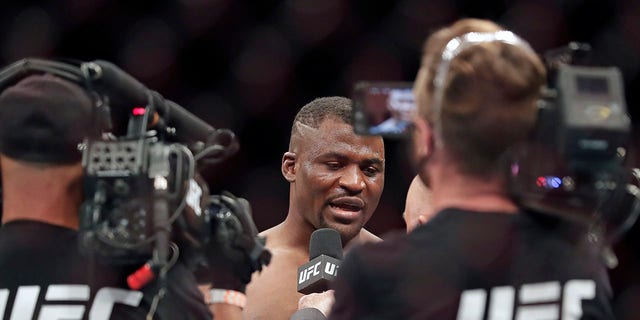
(145, 202)
(578, 162)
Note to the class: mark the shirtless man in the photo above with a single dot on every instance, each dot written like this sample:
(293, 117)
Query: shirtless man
(336, 178)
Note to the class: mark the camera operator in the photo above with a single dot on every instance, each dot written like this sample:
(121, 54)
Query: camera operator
(480, 256)
(43, 119)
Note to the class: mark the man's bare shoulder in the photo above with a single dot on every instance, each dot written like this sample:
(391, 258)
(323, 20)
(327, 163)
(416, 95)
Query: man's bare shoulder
(284, 258)
(272, 293)
(367, 236)
(364, 236)
(275, 236)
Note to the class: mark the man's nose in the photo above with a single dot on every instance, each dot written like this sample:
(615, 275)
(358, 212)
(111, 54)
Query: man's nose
(352, 179)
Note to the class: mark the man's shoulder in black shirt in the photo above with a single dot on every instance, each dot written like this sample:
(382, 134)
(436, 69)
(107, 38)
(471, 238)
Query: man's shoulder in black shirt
(465, 264)
(44, 276)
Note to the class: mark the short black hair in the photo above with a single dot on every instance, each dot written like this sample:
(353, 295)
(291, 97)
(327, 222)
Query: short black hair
(313, 113)
(43, 118)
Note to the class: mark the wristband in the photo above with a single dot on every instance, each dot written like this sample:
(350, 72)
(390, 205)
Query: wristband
(231, 297)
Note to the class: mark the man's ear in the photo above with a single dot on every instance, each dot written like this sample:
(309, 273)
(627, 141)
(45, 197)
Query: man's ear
(289, 166)
(423, 139)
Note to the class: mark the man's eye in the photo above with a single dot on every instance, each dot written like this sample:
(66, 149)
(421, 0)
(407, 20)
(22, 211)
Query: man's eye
(334, 165)
(371, 171)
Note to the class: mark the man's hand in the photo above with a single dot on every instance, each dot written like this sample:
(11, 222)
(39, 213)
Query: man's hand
(321, 301)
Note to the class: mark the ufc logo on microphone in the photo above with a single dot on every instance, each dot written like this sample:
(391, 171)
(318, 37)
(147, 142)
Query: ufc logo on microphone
(330, 269)
(535, 301)
(26, 300)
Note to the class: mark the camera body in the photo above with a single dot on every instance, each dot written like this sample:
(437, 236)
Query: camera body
(134, 189)
(577, 162)
(144, 199)
(578, 155)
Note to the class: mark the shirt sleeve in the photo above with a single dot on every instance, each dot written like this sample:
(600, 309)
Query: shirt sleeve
(367, 279)
(351, 287)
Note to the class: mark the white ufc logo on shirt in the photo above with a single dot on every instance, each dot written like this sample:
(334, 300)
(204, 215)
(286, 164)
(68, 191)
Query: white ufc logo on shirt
(26, 299)
(536, 301)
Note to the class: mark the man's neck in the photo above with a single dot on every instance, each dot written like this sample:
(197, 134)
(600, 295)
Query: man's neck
(46, 194)
(295, 232)
(452, 189)
(47, 206)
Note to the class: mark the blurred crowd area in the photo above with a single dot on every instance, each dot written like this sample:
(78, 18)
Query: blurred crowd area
(249, 65)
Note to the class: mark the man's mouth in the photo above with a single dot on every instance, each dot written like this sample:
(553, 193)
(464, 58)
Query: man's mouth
(346, 208)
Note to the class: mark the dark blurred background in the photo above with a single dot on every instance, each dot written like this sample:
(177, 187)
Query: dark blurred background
(249, 65)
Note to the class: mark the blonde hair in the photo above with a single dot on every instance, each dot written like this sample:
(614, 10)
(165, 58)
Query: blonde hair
(489, 95)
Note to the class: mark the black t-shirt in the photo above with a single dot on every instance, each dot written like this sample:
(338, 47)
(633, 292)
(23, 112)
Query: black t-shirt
(625, 278)
(44, 276)
(469, 265)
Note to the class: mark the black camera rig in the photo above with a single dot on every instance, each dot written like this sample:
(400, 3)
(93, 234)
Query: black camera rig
(144, 198)
(579, 161)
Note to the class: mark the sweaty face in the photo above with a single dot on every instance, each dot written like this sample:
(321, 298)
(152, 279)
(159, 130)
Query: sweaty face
(339, 177)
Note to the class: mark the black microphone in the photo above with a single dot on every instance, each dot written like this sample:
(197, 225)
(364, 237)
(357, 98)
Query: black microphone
(129, 92)
(325, 254)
